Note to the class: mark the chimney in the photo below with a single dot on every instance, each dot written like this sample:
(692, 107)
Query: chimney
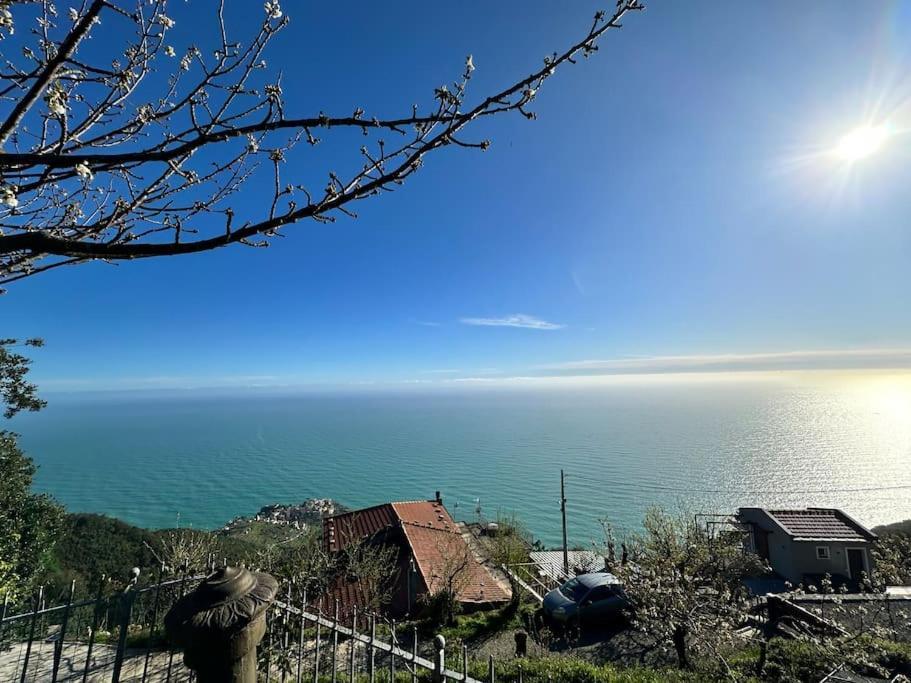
(439, 498)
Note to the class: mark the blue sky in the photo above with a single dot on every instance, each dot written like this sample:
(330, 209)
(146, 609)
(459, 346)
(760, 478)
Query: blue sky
(675, 198)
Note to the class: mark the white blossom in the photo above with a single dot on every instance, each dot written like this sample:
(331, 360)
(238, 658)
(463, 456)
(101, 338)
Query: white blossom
(8, 196)
(74, 15)
(6, 17)
(169, 51)
(56, 100)
(252, 143)
(83, 171)
(164, 20)
(469, 64)
(273, 9)
(145, 112)
(185, 63)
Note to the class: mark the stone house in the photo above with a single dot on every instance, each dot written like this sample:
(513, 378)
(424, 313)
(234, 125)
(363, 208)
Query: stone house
(801, 545)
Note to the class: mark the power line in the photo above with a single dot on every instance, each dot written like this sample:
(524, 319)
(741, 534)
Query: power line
(754, 492)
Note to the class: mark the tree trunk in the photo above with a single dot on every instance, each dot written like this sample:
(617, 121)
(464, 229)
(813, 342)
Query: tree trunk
(763, 655)
(679, 639)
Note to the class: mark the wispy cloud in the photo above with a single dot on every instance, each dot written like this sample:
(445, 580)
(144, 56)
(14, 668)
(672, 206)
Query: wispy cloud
(426, 323)
(163, 382)
(840, 359)
(444, 371)
(517, 320)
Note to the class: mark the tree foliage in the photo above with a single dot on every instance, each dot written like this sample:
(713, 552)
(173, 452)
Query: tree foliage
(373, 566)
(16, 392)
(684, 584)
(119, 143)
(29, 522)
(303, 562)
(892, 556)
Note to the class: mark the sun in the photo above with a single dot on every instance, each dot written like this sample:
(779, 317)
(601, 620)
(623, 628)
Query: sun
(861, 142)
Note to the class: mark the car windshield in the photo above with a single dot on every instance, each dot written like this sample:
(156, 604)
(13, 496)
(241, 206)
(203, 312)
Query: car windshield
(574, 590)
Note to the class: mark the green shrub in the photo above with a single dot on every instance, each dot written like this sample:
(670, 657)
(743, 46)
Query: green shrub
(574, 670)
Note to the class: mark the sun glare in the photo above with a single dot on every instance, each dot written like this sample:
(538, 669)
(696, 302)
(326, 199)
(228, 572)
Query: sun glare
(861, 142)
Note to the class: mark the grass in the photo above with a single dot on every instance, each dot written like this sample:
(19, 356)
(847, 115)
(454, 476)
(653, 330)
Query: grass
(261, 533)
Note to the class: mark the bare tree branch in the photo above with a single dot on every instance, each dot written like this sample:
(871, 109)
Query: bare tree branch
(112, 167)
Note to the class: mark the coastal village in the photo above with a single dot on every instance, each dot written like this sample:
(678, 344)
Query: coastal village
(815, 560)
(499, 598)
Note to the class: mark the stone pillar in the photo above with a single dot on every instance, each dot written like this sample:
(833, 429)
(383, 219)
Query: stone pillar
(219, 624)
(439, 658)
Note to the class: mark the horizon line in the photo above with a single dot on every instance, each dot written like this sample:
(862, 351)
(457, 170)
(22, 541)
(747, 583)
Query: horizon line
(760, 363)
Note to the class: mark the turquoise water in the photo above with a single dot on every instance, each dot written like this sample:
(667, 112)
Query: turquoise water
(623, 447)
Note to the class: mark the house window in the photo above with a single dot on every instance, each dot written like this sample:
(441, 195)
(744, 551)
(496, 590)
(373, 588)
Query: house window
(822, 552)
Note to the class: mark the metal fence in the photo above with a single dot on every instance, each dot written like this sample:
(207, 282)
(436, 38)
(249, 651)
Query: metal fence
(303, 645)
(118, 636)
(115, 636)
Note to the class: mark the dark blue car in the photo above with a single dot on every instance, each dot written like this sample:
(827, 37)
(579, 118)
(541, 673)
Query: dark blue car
(593, 598)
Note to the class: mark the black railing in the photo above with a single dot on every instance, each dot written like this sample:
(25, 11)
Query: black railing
(115, 635)
(118, 636)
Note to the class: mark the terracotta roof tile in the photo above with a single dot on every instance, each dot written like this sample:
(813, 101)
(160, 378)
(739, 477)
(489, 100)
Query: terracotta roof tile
(340, 530)
(430, 535)
(427, 513)
(440, 554)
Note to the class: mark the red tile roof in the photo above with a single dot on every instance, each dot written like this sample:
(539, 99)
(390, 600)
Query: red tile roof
(426, 513)
(441, 555)
(340, 530)
(424, 530)
(821, 524)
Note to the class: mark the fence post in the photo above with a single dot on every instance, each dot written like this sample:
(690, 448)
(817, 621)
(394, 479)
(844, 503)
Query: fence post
(153, 625)
(414, 655)
(319, 622)
(491, 671)
(371, 659)
(392, 652)
(58, 646)
(270, 630)
(96, 617)
(335, 643)
(300, 644)
(221, 622)
(352, 647)
(521, 638)
(31, 632)
(284, 661)
(439, 658)
(125, 606)
(464, 662)
(185, 573)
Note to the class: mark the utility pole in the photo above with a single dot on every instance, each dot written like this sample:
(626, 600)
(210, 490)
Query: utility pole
(563, 512)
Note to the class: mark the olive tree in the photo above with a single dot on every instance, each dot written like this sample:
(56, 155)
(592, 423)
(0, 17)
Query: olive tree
(119, 143)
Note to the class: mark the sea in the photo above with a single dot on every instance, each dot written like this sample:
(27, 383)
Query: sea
(692, 445)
